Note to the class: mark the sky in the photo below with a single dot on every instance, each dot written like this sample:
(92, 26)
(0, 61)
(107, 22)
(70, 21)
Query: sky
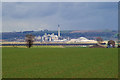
(60, 0)
(25, 16)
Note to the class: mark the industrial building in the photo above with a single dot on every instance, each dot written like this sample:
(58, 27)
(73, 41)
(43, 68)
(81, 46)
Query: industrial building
(49, 37)
(57, 38)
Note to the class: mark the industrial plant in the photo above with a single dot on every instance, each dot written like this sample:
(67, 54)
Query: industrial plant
(54, 38)
(58, 38)
(50, 37)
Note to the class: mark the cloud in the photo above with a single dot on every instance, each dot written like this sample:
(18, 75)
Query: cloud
(60, 0)
(71, 15)
(27, 10)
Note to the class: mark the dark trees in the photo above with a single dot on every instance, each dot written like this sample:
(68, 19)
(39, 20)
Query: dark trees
(29, 40)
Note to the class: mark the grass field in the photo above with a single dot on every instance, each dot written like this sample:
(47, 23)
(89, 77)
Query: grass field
(60, 62)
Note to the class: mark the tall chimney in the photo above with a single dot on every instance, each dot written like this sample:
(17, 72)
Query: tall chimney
(58, 30)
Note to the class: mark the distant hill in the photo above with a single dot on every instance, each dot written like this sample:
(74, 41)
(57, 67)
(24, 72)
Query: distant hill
(106, 35)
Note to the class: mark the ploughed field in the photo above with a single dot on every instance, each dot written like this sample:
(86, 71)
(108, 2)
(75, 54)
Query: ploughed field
(59, 62)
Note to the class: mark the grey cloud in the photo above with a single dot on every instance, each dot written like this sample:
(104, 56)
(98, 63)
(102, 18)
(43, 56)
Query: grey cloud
(27, 10)
(32, 16)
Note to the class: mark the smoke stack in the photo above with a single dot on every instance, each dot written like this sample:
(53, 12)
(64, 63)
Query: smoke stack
(58, 30)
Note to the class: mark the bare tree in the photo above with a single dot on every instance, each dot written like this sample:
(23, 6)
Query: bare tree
(99, 40)
(29, 40)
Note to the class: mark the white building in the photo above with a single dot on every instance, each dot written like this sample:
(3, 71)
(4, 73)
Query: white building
(49, 37)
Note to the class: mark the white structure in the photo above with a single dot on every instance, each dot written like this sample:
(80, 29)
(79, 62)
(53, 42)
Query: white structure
(58, 31)
(49, 37)
(81, 39)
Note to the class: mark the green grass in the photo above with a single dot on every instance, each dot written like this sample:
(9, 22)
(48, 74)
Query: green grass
(60, 62)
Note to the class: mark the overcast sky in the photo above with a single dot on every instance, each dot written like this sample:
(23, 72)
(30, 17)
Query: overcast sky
(21, 16)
